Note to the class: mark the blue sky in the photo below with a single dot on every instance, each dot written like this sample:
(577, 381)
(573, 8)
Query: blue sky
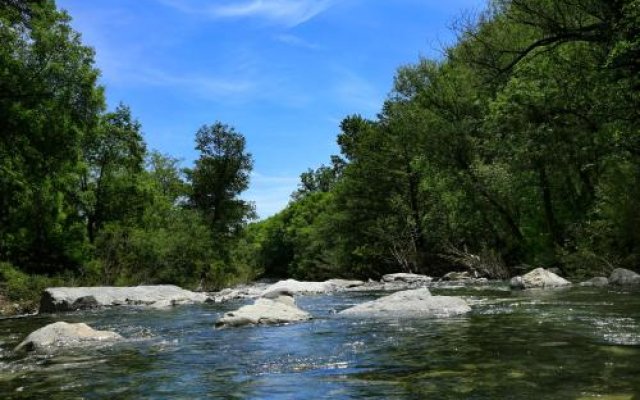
(282, 72)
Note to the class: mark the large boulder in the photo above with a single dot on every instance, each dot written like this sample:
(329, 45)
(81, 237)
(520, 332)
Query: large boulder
(59, 299)
(410, 303)
(599, 281)
(623, 277)
(539, 278)
(406, 278)
(62, 334)
(278, 309)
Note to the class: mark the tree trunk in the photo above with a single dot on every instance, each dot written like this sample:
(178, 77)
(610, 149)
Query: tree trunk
(549, 214)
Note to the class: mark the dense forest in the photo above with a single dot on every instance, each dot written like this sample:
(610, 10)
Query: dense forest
(82, 199)
(519, 147)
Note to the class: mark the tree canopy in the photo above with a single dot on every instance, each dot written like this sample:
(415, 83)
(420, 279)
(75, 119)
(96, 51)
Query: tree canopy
(519, 147)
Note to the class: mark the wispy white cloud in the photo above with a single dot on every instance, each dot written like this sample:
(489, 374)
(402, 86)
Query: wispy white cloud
(283, 12)
(296, 41)
(202, 85)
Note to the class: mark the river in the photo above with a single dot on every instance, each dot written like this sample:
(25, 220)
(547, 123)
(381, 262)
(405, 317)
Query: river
(579, 343)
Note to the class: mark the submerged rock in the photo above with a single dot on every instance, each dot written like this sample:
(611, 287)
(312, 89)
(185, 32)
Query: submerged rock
(406, 278)
(598, 281)
(80, 298)
(278, 309)
(539, 278)
(410, 303)
(623, 277)
(63, 334)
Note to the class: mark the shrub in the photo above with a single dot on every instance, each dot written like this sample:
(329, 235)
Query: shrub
(23, 288)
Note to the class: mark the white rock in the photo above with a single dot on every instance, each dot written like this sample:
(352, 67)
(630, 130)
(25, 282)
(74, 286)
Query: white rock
(77, 298)
(410, 303)
(539, 278)
(406, 278)
(297, 287)
(279, 310)
(62, 334)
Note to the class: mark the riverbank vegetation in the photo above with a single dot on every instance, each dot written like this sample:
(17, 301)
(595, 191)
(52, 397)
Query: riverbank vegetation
(520, 146)
(82, 199)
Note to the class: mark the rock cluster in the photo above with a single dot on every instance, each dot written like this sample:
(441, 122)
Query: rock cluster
(59, 299)
(406, 278)
(541, 278)
(301, 287)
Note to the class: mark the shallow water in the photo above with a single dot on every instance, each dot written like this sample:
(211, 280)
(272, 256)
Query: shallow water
(579, 343)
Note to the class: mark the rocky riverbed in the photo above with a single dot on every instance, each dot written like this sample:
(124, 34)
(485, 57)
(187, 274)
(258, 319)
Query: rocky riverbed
(577, 342)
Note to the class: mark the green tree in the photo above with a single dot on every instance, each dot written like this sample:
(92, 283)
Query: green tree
(114, 156)
(219, 176)
(49, 99)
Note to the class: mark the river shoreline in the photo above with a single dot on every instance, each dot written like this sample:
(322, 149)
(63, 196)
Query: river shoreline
(576, 342)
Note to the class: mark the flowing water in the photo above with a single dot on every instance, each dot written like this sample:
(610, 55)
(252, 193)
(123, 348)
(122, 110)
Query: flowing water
(580, 343)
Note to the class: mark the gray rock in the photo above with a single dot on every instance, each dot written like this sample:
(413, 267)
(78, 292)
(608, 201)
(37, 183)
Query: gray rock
(410, 303)
(265, 311)
(623, 277)
(373, 286)
(340, 284)
(457, 276)
(238, 293)
(539, 278)
(599, 281)
(62, 334)
(406, 278)
(77, 298)
(290, 286)
(298, 287)
(276, 293)
(393, 286)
